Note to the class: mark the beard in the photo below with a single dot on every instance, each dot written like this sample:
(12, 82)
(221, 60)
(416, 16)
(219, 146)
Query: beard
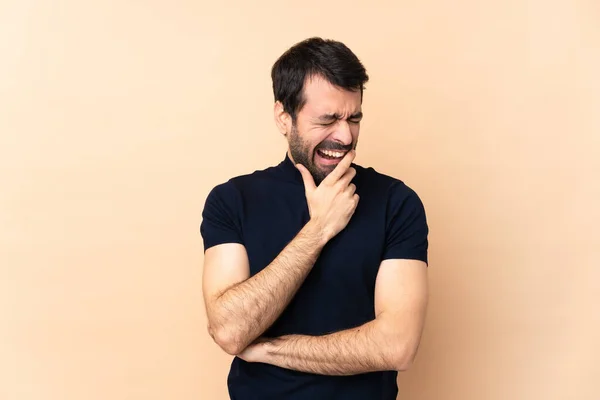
(302, 154)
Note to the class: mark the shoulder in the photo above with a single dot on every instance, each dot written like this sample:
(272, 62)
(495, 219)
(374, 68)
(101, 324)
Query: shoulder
(235, 187)
(253, 179)
(406, 227)
(394, 189)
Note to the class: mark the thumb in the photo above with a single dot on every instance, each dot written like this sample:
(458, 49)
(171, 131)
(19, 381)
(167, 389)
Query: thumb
(309, 183)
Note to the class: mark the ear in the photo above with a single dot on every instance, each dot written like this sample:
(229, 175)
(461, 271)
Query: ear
(283, 120)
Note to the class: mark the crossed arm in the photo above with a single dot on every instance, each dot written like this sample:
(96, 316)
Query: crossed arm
(389, 342)
(240, 308)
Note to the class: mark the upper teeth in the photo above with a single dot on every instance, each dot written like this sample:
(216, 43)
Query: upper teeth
(336, 154)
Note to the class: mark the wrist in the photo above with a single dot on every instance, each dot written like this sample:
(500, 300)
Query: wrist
(273, 346)
(316, 231)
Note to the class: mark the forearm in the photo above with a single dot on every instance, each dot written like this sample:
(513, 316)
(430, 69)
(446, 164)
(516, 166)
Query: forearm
(245, 311)
(363, 349)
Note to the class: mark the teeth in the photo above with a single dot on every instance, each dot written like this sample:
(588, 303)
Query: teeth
(335, 154)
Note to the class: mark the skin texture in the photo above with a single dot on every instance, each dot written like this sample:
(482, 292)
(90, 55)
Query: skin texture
(240, 308)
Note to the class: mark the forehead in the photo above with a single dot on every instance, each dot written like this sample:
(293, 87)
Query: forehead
(322, 98)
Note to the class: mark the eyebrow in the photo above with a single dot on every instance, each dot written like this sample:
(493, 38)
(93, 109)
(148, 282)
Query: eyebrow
(331, 117)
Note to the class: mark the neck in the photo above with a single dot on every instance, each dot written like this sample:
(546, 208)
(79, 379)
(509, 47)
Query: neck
(289, 153)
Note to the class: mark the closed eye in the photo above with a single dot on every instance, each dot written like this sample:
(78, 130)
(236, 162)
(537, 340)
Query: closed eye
(356, 118)
(330, 119)
(328, 123)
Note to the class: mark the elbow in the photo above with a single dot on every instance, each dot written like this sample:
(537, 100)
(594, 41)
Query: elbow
(403, 363)
(230, 347)
(402, 348)
(404, 358)
(226, 341)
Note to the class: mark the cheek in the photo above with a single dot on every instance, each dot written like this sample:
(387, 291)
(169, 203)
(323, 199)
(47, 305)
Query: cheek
(318, 136)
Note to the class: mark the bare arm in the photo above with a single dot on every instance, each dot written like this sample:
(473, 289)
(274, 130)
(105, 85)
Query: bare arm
(389, 342)
(239, 314)
(240, 308)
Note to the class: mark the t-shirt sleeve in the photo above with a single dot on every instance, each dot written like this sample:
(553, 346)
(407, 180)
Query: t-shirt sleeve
(407, 229)
(221, 222)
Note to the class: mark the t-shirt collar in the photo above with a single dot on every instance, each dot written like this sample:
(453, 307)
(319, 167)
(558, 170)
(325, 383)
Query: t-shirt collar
(289, 169)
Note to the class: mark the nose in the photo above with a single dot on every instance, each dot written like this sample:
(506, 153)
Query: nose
(343, 133)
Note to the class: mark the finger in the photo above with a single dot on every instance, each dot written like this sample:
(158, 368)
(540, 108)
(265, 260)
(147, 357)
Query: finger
(309, 182)
(347, 177)
(354, 205)
(341, 168)
(351, 189)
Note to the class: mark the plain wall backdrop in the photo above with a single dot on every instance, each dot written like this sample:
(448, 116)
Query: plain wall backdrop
(118, 117)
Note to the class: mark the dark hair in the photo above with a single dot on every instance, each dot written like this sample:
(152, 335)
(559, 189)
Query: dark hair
(315, 56)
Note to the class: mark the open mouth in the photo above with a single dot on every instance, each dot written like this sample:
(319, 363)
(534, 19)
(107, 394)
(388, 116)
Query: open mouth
(331, 154)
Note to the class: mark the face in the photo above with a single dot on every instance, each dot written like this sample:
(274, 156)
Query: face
(326, 128)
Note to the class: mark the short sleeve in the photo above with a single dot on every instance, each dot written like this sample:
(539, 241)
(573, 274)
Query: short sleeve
(407, 229)
(221, 221)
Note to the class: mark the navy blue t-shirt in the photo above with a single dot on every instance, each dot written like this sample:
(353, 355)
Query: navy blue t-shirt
(264, 211)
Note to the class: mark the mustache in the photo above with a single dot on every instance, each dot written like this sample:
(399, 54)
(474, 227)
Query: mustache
(335, 146)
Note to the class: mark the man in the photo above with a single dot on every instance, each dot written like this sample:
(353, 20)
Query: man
(315, 269)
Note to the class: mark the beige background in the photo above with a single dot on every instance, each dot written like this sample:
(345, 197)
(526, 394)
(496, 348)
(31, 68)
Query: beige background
(118, 117)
